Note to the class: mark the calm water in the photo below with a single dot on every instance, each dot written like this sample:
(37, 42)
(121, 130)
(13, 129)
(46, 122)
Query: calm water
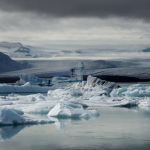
(115, 128)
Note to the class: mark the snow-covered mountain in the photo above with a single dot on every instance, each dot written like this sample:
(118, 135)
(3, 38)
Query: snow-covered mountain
(17, 50)
(58, 51)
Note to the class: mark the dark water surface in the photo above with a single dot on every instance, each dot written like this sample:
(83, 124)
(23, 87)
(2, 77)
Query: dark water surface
(114, 129)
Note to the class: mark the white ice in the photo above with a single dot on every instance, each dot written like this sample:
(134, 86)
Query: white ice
(10, 117)
(136, 90)
(76, 76)
(26, 88)
(66, 110)
(71, 101)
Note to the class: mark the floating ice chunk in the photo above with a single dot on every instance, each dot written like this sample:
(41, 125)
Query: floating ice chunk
(96, 85)
(136, 90)
(9, 117)
(127, 103)
(111, 102)
(77, 72)
(27, 79)
(134, 93)
(63, 110)
(4, 88)
(118, 92)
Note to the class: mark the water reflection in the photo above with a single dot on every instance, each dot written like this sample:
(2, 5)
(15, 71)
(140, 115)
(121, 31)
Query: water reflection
(62, 123)
(7, 132)
(115, 129)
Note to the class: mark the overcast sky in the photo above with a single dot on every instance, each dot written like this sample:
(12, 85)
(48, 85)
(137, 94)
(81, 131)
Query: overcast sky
(77, 24)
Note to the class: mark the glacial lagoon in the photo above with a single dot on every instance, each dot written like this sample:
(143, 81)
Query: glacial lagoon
(115, 128)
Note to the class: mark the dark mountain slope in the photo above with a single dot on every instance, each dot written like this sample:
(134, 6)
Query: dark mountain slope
(7, 64)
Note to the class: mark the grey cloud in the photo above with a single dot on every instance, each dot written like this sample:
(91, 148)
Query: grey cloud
(82, 8)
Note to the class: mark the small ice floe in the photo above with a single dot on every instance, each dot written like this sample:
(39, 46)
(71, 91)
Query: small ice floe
(68, 110)
(10, 117)
(27, 88)
(136, 90)
(127, 103)
(104, 101)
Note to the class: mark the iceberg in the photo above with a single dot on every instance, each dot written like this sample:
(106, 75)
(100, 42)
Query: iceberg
(94, 86)
(64, 110)
(77, 72)
(9, 117)
(32, 84)
(26, 88)
(33, 80)
(76, 76)
(136, 90)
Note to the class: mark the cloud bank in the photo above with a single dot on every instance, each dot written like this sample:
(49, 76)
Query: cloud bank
(138, 9)
(74, 25)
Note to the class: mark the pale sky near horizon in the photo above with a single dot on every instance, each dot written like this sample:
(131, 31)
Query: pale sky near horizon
(117, 25)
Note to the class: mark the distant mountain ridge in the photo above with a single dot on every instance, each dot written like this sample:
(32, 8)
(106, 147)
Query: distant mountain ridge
(18, 50)
(10, 45)
(23, 50)
(146, 50)
(7, 64)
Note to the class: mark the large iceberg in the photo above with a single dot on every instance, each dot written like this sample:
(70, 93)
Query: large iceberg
(76, 76)
(32, 84)
(33, 80)
(93, 85)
